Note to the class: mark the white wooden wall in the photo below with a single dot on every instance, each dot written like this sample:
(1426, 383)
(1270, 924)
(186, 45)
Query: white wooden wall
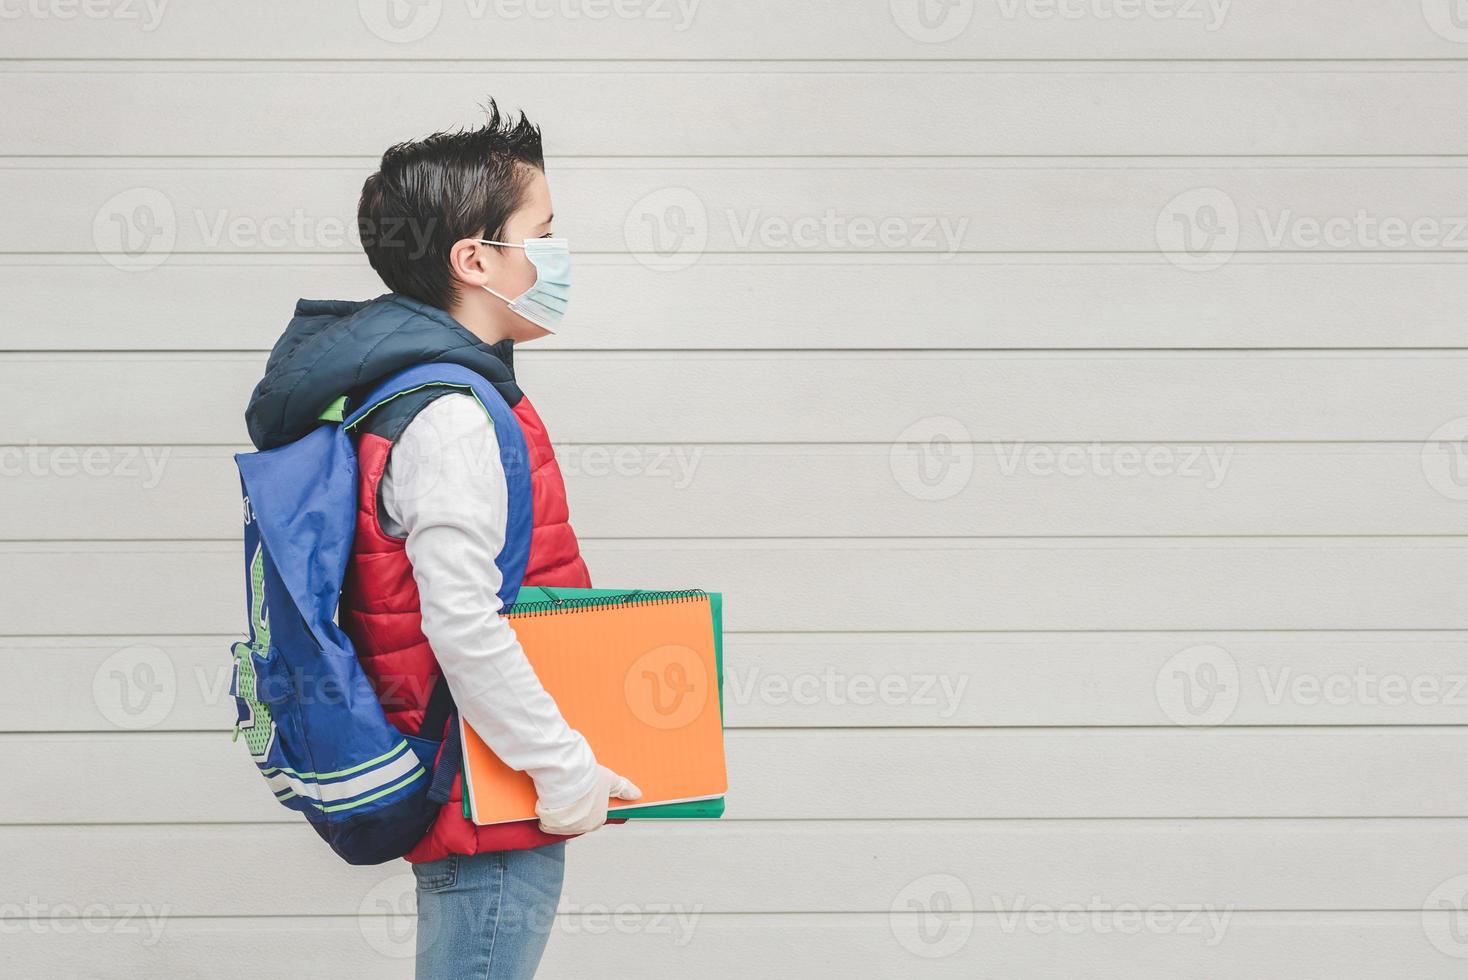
(1094, 534)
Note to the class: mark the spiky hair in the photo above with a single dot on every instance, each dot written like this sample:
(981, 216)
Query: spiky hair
(429, 193)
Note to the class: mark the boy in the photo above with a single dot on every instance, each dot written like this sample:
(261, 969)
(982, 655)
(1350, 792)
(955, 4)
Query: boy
(458, 225)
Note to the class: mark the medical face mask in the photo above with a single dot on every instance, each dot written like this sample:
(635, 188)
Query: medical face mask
(544, 303)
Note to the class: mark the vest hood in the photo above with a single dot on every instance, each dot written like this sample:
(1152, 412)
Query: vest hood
(333, 348)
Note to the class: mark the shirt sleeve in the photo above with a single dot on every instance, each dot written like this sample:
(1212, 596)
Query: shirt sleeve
(445, 492)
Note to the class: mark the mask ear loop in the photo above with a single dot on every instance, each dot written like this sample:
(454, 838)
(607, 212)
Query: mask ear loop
(502, 298)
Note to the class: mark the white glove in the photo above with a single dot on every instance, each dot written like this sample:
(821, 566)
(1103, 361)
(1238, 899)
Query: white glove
(590, 812)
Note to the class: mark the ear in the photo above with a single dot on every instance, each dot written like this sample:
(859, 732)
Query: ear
(470, 263)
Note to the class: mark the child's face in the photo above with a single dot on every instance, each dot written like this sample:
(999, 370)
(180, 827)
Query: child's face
(509, 272)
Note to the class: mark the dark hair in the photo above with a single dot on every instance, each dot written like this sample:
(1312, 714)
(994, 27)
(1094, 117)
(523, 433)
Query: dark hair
(429, 193)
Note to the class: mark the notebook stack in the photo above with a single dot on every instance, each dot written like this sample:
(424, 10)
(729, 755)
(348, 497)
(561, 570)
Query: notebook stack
(640, 674)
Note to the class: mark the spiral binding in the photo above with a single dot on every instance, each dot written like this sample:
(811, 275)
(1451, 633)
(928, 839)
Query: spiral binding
(637, 597)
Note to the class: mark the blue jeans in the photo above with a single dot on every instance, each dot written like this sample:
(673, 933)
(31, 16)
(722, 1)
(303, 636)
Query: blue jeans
(487, 916)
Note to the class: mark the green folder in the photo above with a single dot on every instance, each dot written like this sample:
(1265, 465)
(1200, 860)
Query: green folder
(704, 809)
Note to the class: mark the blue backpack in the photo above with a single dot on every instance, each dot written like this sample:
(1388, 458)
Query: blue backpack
(308, 713)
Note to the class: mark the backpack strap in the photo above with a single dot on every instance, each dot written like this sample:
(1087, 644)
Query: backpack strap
(439, 714)
(415, 378)
(514, 453)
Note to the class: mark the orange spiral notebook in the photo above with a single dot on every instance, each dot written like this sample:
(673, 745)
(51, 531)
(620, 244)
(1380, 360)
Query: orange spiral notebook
(637, 674)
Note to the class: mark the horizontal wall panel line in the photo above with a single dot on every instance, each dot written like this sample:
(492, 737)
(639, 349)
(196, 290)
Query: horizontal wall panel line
(761, 158)
(837, 539)
(623, 397)
(938, 208)
(1010, 728)
(724, 866)
(1013, 773)
(802, 585)
(839, 733)
(229, 447)
(927, 65)
(1407, 822)
(621, 109)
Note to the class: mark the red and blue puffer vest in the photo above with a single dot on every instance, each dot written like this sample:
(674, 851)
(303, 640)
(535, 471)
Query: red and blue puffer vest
(380, 612)
(348, 347)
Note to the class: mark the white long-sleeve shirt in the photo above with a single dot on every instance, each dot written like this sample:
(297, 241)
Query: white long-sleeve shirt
(445, 492)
